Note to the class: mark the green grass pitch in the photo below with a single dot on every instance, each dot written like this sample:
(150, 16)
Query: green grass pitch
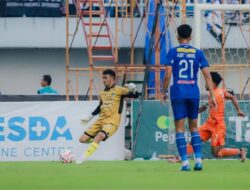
(126, 175)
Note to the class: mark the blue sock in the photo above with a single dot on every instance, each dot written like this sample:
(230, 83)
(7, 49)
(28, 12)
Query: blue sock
(196, 143)
(182, 147)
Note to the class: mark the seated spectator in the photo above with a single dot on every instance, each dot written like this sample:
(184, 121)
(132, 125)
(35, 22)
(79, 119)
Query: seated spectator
(46, 89)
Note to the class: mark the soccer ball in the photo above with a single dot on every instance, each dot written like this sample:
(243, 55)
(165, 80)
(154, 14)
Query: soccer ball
(66, 156)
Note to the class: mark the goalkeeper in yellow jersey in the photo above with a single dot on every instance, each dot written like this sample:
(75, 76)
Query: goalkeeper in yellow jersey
(109, 110)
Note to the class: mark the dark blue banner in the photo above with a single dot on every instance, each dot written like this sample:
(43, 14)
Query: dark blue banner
(31, 8)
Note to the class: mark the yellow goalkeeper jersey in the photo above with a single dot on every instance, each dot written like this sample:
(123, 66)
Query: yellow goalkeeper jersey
(109, 110)
(111, 104)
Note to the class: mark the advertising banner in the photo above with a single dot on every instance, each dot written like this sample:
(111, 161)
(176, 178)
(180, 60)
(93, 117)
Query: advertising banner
(157, 136)
(38, 131)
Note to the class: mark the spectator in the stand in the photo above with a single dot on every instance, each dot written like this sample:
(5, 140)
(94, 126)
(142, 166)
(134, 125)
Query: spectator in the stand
(72, 7)
(46, 88)
(214, 23)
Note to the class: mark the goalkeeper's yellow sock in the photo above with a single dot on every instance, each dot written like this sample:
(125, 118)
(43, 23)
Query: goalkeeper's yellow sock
(90, 150)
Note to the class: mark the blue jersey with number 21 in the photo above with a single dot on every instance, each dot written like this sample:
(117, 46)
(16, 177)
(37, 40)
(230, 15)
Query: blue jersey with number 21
(185, 61)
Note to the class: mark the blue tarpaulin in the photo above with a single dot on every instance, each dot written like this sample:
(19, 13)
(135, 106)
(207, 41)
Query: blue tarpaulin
(165, 42)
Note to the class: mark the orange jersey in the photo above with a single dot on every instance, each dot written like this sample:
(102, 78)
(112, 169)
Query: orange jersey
(215, 128)
(216, 115)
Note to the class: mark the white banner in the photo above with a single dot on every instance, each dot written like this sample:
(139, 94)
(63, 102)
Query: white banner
(37, 131)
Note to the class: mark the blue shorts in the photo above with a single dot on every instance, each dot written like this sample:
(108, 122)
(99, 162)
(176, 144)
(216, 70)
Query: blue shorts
(183, 108)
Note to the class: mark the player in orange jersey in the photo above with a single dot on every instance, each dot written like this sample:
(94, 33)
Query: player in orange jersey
(215, 128)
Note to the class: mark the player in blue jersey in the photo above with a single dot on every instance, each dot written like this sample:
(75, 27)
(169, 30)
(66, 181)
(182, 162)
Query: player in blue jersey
(184, 63)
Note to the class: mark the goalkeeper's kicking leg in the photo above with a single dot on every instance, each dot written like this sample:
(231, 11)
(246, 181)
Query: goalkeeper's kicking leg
(93, 136)
(93, 145)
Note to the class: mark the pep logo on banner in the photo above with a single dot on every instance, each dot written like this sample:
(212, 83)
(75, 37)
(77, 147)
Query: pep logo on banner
(39, 129)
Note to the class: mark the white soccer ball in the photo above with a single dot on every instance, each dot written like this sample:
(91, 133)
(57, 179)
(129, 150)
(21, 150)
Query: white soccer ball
(66, 156)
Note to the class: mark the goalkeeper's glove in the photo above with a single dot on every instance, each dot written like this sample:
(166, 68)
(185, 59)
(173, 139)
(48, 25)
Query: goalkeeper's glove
(131, 87)
(87, 118)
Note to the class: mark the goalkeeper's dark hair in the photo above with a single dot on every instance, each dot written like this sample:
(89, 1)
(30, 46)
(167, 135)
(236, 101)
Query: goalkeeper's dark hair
(216, 78)
(184, 31)
(109, 72)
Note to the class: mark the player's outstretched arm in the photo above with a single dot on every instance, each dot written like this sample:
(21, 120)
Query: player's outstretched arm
(87, 118)
(166, 82)
(132, 91)
(234, 100)
(209, 83)
(167, 78)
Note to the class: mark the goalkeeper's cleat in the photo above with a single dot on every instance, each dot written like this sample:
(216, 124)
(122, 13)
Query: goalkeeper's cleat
(243, 154)
(185, 168)
(198, 166)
